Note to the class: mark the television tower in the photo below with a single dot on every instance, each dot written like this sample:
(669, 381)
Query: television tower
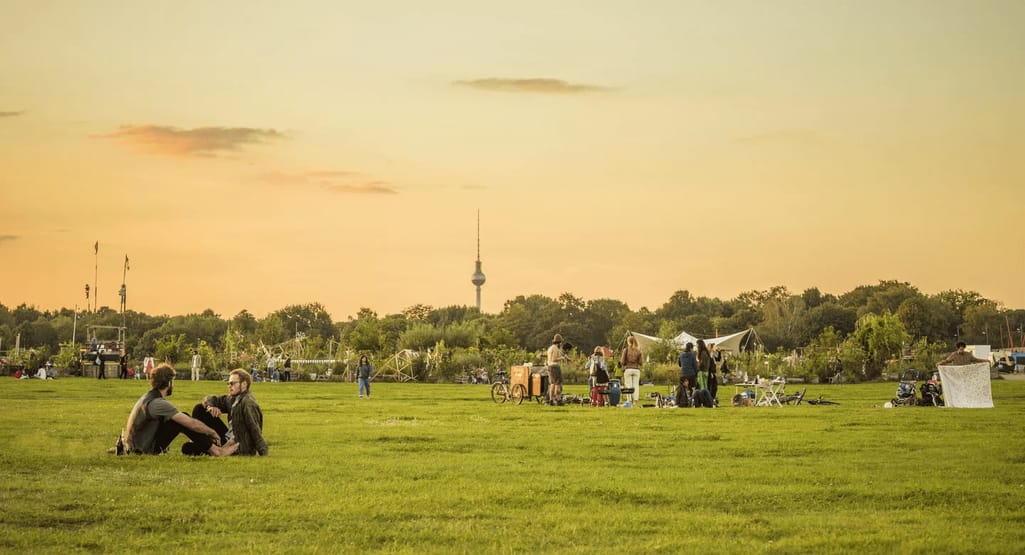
(478, 276)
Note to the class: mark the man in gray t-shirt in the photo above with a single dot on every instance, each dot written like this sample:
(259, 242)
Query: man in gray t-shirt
(154, 422)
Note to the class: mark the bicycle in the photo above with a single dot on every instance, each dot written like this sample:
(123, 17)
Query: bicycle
(501, 391)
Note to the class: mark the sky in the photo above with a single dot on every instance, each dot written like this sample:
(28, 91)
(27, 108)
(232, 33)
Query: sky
(259, 154)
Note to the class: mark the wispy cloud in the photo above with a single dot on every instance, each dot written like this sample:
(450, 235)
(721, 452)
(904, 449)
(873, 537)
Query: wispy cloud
(342, 182)
(537, 85)
(5, 238)
(10, 114)
(373, 187)
(199, 141)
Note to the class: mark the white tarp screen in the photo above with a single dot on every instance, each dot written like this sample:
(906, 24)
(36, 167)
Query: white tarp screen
(731, 343)
(967, 386)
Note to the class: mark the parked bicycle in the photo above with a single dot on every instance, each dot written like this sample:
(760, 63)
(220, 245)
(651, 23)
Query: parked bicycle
(501, 391)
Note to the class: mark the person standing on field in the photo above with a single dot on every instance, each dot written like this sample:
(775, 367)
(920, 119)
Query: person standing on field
(688, 375)
(148, 364)
(122, 367)
(555, 357)
(631, 361)
(197, 363)
(960, 357)
(363, 372)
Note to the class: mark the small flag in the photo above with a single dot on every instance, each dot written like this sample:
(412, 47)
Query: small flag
(96, 247)
(126, 263)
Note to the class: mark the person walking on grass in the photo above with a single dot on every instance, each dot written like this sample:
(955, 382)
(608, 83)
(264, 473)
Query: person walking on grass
(245, 419)
(363, 372)
(154, 422)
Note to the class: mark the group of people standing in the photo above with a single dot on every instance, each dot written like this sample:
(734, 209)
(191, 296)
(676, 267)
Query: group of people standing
(599, 375)
(285, 375)
(124, 372)
(699, 382)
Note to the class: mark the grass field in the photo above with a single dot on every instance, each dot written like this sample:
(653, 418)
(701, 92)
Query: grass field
(442, 469)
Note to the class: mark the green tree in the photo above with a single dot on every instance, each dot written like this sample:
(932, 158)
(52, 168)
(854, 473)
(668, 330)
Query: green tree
(883, 339)
(781, 317)
(419, 337)
(532, 320)
(311, 319)
(417, 312)
(641, 321)
(821, 354)
(272, 331)
(679, 306)
(173, 348)
(366, 333)
(826, 315)
(245, 323)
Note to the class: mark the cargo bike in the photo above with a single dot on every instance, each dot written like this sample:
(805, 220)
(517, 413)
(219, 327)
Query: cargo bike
(521, 383)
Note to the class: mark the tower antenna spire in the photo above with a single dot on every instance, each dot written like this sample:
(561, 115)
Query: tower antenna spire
(478, 276)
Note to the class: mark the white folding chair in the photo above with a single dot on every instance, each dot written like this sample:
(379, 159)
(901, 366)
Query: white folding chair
(769, 392)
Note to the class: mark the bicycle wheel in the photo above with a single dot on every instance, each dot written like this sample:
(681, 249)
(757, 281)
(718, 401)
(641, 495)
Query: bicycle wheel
(518, 393)
(499, 393)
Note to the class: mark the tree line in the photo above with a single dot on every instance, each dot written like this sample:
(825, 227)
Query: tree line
(864, 330)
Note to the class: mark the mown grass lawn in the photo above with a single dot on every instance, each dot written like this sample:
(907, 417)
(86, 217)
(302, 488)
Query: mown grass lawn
(442, 469)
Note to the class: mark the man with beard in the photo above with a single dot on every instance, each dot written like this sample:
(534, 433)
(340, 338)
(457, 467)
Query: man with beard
(245, 434)
(155, 422)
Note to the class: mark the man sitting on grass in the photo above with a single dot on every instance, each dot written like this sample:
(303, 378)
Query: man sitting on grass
(244, 415)
(155, 422)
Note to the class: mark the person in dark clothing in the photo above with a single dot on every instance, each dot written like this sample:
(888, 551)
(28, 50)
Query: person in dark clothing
(706, 371)
(363, 372)
(287, 375)
(245, 419)
(718, 364)
(122, 372)
(688, 375)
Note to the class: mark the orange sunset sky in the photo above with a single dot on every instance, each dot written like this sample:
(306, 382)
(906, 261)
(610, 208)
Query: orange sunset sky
(254, 154)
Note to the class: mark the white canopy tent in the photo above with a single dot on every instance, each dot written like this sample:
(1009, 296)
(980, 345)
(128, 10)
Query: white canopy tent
(734, 343)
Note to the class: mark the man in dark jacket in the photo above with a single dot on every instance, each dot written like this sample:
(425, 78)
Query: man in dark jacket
(245, 418)
(688, 375)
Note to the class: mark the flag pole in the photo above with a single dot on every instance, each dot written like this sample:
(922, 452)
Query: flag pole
(96, 277)
(124, 290)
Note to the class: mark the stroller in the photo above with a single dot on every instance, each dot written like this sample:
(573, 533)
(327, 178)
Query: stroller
(907, 390)
(932, 393)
